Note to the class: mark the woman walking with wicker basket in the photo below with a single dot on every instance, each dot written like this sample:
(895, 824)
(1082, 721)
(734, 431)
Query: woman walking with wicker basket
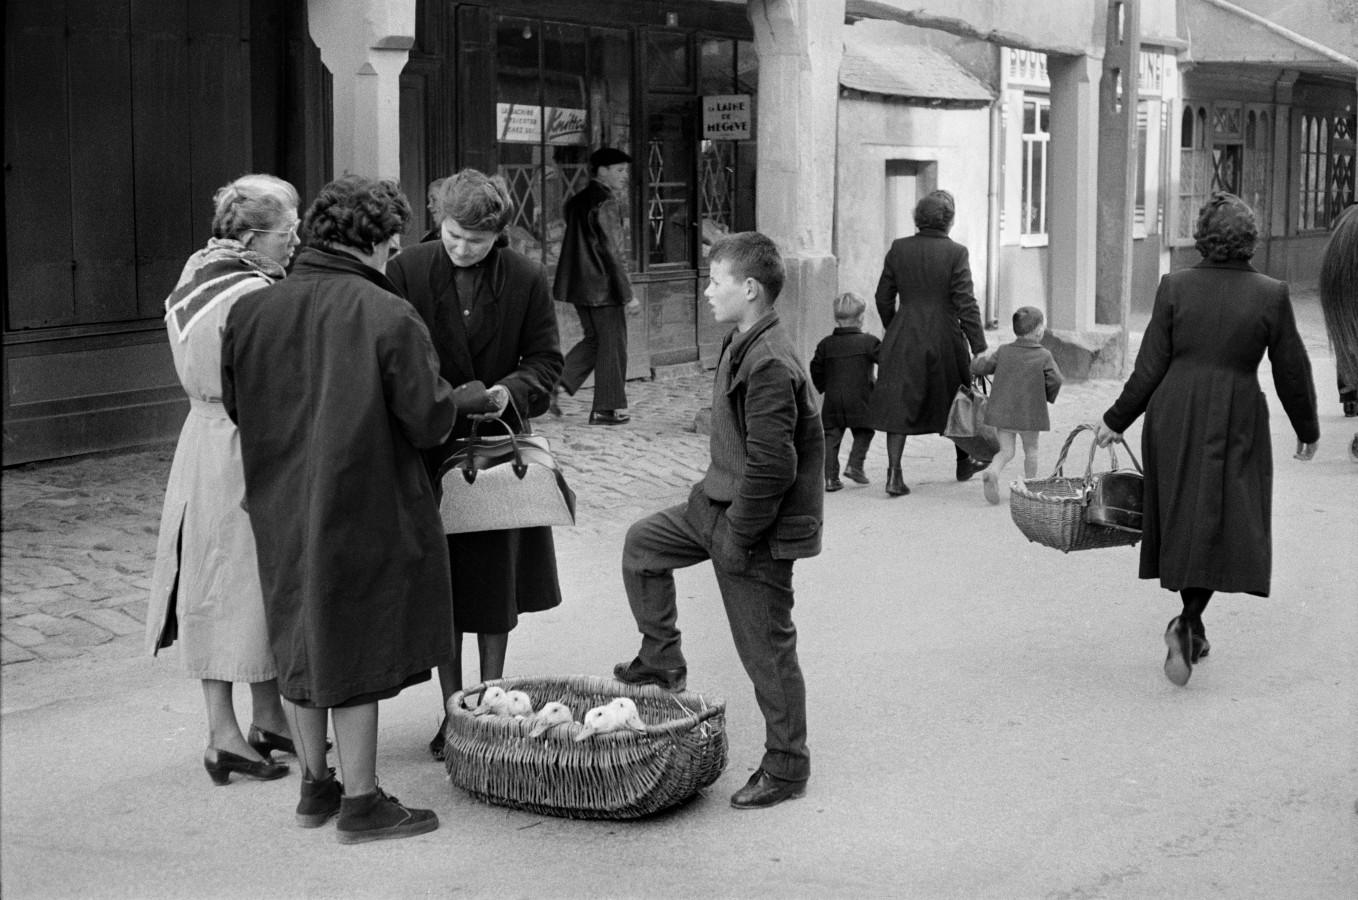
(1206, 440)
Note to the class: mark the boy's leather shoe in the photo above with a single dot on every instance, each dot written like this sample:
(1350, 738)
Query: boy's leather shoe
(672, 680)
(853, 473)
(764, 790)
(608, 417)
(969, 467)
(833, 484)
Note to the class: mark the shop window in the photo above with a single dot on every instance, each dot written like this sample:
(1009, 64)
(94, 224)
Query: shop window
(670, 145)
(562, 91)
(1326, 170)
(1036, 138)
(1195, 167)
(1257, 166)
(725, 167)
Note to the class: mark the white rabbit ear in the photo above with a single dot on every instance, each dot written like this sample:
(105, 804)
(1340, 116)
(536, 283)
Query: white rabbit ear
(585, 733)
(483, 711)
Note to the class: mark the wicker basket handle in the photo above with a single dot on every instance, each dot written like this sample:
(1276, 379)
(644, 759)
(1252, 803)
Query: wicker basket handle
(684, 724)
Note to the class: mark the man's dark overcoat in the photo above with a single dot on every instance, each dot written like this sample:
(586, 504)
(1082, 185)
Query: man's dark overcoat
(1208, 453)
(591, 270)
(333, 382)
(508, 337)
(923, 359)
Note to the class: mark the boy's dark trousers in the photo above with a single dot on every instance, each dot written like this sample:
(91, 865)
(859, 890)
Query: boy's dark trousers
(858, 453)
(757, 592)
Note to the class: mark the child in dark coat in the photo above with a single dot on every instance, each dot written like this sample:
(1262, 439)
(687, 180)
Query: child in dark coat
(842, 370)
(1026, 380)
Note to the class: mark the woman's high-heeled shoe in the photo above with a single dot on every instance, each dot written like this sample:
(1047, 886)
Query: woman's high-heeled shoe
(895, 484)
(220, 764)
(262, 742)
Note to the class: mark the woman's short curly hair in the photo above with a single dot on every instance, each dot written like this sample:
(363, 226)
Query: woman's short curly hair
(1227, 228)
(935, 210)
(251, 203)
(357, 212)
(476, 201)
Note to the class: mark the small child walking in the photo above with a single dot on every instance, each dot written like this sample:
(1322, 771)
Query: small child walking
(841, 369)
(1026, 380)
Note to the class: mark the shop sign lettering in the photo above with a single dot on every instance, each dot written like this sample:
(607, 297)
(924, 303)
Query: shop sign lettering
(565, 125)
(726, 117)
(520, 123)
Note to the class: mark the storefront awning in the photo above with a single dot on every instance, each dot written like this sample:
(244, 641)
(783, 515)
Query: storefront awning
(1219, 31)
(881, 60)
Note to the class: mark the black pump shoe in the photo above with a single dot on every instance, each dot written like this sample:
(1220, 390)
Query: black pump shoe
(263, 742)
(220, 764)
(895, 484)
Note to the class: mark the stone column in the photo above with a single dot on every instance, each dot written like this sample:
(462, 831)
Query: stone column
(1072, 222)
(800, 44)
(365, 44)
(1119, 93)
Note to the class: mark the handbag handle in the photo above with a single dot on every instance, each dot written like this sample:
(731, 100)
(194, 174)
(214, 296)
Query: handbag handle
(469, 461)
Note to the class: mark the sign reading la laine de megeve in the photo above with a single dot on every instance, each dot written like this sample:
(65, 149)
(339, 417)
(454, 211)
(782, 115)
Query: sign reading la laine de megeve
(726, 117)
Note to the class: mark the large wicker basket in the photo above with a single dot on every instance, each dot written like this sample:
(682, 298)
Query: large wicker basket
(622, 775)
(1051, 511)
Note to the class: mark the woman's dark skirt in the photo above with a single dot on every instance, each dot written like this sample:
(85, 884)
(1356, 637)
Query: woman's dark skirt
(499, 574)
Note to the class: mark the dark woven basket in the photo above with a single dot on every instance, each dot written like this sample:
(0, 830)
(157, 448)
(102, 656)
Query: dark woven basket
(1051, 511)
(622, 775)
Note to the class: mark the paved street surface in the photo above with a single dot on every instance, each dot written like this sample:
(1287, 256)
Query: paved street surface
(988, 717)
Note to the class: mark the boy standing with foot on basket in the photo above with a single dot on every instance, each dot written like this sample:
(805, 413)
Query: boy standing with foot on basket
(756, 510)
(1026, 380)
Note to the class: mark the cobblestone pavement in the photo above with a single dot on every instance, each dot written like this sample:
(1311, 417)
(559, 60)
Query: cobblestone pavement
(79, 535)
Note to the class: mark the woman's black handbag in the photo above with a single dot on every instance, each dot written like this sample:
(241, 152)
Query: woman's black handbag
(1116, 497)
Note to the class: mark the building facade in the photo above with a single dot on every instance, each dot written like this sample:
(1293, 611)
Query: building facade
(816, 121)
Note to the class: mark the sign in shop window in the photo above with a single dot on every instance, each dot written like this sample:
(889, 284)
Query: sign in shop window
(726, 117)
(519, 123)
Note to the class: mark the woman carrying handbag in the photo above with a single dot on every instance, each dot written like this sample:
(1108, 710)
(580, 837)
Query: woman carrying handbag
(489, 310)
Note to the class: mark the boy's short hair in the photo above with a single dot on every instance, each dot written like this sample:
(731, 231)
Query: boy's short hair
(849, 307)
(750, 254)
(1027, 319)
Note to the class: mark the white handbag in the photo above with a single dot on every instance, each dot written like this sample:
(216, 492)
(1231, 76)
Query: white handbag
(496, 482)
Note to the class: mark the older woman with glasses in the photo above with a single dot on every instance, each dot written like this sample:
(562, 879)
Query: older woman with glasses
(205, 590)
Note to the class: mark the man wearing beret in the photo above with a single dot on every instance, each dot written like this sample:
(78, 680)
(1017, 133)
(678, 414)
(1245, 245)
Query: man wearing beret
(592, 275)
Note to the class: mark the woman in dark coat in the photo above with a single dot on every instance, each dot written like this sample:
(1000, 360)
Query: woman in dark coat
(333, 382)
(924, 355)
(1206, 443)
(490, 311)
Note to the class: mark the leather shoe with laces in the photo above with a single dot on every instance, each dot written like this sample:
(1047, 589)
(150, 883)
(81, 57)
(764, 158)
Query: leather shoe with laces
(969, 467)
(635, 672)
(764, 790)
(854, 473)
